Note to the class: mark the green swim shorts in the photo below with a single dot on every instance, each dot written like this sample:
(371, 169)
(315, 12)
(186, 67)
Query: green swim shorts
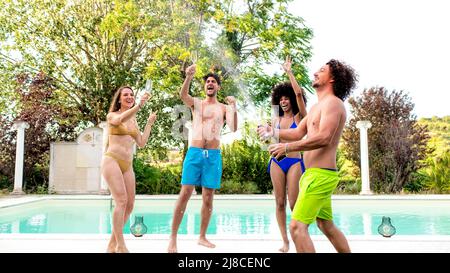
(314, 200)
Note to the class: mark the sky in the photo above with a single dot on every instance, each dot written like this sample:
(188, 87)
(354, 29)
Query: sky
(396, 44)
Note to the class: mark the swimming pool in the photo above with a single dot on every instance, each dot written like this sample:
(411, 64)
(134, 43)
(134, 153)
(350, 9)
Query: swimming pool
(232, 216)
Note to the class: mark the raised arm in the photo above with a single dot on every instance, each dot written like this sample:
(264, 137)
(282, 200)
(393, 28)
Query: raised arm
(115, 118)
(297, 89)
(184, 93)
(231, 113)
(142, 138)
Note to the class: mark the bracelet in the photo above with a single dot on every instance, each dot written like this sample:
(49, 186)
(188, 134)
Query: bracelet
(286, 149)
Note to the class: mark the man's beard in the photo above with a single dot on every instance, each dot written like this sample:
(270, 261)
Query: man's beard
(213, 94)
(316, 85)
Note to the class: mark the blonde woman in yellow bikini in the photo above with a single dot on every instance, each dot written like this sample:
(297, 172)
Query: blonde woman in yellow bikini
(117, 161)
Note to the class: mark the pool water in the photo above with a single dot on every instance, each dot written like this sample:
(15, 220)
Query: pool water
(230, 217)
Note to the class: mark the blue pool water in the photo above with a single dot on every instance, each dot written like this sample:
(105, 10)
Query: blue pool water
(230, 217)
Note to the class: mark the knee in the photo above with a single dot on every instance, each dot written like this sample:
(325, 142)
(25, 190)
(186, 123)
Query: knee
(130, 207)
(208, 201)
(186, 193)
(281, 204)
(293, 227)
(325, 227)
(296, 228)
(122, 202)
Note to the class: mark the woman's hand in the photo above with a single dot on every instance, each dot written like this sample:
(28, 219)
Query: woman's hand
(287, 64)
(144, 99)
(152, 118)
(265, 132)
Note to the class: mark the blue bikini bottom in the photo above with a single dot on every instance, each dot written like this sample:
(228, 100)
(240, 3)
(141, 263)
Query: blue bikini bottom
(286, 163)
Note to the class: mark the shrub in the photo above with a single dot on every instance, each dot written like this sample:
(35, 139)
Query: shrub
(232, 187)
(438, 174)
(5, 184)
(348, 186)
(417, 182)
(246, 161)
(152, 180)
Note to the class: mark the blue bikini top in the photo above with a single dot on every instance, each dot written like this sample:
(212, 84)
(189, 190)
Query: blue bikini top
(293, 125)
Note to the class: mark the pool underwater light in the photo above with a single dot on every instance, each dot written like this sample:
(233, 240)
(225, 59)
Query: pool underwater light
(386, 229)
(138, 228)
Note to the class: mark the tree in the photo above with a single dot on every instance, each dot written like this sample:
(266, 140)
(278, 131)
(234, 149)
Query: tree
(439, 128)
(397, 143)
(90, 48)
(48, 122)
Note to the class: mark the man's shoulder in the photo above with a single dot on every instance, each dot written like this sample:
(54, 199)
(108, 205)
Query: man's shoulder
(329, 104)
(334, 101)
(329, 101)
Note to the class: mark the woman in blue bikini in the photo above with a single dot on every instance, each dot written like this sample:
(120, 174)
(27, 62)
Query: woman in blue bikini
(285, 173)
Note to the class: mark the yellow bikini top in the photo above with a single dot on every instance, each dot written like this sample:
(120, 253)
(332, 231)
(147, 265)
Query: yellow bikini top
(121, 129)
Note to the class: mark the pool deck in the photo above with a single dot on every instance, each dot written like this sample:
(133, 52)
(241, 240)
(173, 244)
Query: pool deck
(96, 243)
(63, 243)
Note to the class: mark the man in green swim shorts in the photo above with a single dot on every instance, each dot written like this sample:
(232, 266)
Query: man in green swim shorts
(323, 126)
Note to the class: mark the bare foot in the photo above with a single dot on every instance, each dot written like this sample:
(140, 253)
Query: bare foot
(122, 249)
(205, 242)
(111, 249)
(284, 248)
(112, 245)
(172, 246)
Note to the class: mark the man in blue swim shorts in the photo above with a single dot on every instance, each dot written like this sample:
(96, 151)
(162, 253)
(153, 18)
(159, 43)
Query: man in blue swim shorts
(202, 165)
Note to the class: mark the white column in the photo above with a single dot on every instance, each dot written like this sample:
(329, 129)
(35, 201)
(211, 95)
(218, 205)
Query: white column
(20, 149)
(363, 125)
(103, 186)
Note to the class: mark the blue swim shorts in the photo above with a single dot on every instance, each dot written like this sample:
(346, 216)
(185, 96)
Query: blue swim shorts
(202, 167)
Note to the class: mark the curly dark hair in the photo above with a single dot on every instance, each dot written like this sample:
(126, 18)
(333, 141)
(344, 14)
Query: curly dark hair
(344, 76)
(285, 89)
(214, 75)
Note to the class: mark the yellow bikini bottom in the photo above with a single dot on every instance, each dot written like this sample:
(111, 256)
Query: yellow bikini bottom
(124, 165)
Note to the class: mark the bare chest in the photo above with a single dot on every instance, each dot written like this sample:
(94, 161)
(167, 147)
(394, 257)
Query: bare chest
(313, 123)
(209, 113)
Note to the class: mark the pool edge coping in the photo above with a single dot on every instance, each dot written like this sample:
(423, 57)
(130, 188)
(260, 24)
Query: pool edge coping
(149, 237)
(21, 200)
